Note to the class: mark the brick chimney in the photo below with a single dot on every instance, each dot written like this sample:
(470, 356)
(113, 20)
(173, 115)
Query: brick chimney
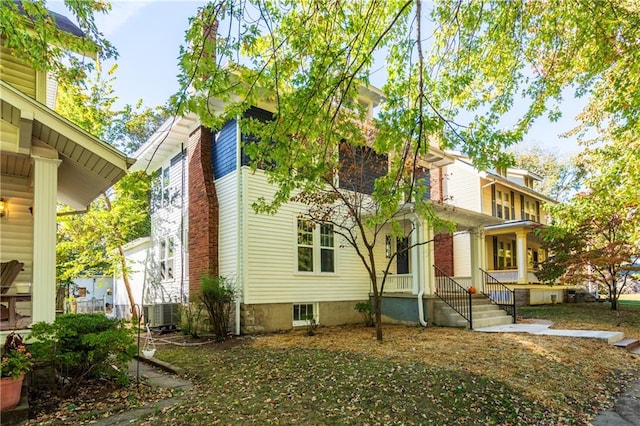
(203, 210)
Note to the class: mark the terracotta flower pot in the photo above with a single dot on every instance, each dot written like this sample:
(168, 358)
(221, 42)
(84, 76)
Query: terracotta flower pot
(10, 390)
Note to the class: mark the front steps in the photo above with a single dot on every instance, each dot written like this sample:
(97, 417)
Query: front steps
(630, 345)
(485, 314)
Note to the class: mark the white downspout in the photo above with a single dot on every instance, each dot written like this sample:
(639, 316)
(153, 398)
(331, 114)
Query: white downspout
(240, 213)
(421, 273)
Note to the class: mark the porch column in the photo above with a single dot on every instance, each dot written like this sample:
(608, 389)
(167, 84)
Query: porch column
(415, 250)
(477, 255)
(45, 191)
(521, 253)
(429, 271)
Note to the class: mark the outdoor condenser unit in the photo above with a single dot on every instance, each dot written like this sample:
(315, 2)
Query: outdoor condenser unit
(162, 314)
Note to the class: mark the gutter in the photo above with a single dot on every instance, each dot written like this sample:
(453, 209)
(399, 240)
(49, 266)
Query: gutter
(420, 276)
(240, 215)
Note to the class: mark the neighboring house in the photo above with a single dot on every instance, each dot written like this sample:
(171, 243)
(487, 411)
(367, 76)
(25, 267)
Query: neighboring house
(513, 252)
(92, 294)
(509, 250)
(45, 158)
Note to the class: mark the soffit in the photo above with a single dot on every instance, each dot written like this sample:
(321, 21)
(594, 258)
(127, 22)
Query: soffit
(89, 166)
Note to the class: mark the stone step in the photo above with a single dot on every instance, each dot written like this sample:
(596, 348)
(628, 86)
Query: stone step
(630, 345)
(477, 314)
(485, 322)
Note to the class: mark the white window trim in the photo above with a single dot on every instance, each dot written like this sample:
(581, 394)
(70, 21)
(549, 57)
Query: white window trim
(317, 251)
(164, 257)
(300, 323)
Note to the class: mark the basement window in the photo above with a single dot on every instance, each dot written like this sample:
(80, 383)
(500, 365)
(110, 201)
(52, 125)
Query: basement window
(303, 312)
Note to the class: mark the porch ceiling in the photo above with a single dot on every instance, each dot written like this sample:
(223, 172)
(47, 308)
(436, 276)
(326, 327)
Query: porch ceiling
(89, 166)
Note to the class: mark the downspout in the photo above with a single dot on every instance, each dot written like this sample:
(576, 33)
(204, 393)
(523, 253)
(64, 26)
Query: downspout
(240, 215)
(421, 274)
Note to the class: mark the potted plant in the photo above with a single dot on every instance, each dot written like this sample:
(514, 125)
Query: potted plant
(15, 361)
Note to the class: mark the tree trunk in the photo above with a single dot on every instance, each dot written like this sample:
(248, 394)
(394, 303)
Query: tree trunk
(378, 307)
(123, 264)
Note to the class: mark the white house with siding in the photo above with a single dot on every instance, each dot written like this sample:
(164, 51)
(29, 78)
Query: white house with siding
(204, 224)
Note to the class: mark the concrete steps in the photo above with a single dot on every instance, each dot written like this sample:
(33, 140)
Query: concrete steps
(629, 345)
(485, 314)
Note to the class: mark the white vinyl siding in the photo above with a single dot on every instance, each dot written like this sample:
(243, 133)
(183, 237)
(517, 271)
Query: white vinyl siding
(461, 254)
(461, 186)
(17, 227)
(271, 259)
(17, 73)
(228, 233)
(168, 231)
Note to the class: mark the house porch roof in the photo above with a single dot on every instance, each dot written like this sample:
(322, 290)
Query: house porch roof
(89, 166)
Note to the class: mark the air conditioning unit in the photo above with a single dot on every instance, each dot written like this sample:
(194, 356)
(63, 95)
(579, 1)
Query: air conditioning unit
(164, 315)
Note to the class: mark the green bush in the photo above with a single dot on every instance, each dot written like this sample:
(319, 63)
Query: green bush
(366, 309)
(217, 296)
(77, 347)
(191, 318)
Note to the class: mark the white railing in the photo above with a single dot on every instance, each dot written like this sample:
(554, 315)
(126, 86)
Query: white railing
(397, 283)
(89, 306)
(511, 276)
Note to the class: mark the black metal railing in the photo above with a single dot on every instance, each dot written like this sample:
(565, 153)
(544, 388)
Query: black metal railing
(454, 295)
(499, 294)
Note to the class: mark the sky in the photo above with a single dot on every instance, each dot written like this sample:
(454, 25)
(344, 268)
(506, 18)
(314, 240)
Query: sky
(148, 35)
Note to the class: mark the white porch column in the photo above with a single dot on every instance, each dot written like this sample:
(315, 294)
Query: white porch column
(415, 250)
(45, 191)
(429, 272)
(521, 254)
(477, 256)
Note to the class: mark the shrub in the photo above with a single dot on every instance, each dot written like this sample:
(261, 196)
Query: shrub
(77, 347)
(217, 296)
(191, 318)
(366, 309)
(312, 325)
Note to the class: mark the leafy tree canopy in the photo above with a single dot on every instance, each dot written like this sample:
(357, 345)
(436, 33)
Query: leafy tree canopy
(30, 32)
(560, 178)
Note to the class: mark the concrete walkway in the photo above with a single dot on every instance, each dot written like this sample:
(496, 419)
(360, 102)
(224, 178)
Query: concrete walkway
(626, 411)
(155, 373)
(543, 327)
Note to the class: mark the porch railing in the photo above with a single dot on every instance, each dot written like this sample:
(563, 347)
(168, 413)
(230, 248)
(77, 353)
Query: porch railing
(499, 294)
(402, 283)
(454, 295)
(89, 306)
(511, 276)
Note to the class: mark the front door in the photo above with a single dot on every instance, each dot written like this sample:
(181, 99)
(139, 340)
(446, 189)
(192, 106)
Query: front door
(402, 259)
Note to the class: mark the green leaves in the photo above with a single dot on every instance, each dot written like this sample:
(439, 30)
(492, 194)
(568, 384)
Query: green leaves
(32, 36)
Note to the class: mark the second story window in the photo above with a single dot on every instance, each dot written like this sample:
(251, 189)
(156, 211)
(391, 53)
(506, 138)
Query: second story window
(530, 209)
(166, 257)
(166, 187)
(504, 205)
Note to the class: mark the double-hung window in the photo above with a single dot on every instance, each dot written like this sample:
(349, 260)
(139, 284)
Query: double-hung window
(166, 256)
(315, 247)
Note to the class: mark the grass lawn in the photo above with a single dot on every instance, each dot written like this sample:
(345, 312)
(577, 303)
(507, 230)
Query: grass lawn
(433, 375)
(416, 376)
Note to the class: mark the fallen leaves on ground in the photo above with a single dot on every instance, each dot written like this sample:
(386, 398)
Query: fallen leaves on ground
(94, 400)
(343, 375)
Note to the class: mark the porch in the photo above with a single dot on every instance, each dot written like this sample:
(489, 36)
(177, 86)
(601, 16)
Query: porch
(532, 293)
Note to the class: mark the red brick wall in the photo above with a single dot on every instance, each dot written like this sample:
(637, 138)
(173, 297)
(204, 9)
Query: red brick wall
(435, 182)
(203, 210)
(443, 253)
